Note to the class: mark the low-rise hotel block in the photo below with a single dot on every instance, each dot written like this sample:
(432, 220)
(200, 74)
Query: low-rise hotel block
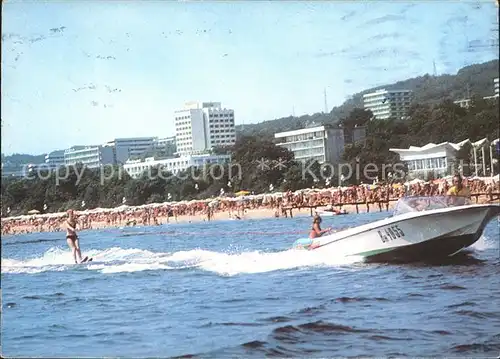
(55, 158)
(128, 147)
(321, 143)
(32, 170)
(165, 142)
(439, 158)
(90, 156)
(173, 165)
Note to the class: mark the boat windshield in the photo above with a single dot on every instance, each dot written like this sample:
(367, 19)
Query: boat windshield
(420, 203)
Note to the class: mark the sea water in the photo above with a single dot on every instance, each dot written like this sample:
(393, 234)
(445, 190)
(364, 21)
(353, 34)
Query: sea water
(236, 289)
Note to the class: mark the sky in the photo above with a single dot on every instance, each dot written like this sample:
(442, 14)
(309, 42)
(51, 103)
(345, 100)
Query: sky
(86, 72)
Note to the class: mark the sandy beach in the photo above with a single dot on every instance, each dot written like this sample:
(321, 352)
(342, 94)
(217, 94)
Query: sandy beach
(257, 213)
(250, 213)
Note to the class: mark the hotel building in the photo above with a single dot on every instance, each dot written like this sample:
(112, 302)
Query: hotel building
(429, 158)
(356, 135)
(135, 168)
(386, 104)
(30, 170)
(202, 126)
(164, 142)
(126, 148)
(90, 156)
(321, 143)
(439, 158)
(55, 158)
(465, 103)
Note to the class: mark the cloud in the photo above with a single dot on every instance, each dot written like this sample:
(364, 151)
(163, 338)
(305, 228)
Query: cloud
(384, 19)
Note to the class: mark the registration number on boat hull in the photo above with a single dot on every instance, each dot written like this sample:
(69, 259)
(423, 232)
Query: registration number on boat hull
(390, 233)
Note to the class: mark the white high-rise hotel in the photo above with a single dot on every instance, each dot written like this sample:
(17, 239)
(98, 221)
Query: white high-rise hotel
(201, 126)
(386, 104)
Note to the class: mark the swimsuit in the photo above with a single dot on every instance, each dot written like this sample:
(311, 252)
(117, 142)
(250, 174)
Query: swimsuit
(316, 234)
(73, 235)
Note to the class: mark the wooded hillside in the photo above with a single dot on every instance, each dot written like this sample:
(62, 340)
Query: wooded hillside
(427, 89)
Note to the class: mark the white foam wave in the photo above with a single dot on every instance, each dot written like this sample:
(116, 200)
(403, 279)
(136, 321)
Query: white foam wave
(117, 260)
(484, 243)
(53, 259)
(256, 261)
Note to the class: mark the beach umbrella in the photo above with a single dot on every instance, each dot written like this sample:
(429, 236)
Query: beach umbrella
(34, 211)
(242, 193)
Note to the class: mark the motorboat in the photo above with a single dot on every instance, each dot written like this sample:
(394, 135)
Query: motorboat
(330, 211)
(420, 228)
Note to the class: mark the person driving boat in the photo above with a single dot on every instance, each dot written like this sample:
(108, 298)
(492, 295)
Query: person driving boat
(458, 189)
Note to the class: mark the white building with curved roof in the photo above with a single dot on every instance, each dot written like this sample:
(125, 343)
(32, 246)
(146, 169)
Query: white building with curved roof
(440, 158)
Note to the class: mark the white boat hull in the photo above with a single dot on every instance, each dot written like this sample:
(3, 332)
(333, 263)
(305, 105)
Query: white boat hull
(330, 213)
(414, 235)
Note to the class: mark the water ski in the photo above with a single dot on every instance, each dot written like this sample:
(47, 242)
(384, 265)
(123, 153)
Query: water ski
(86, 259)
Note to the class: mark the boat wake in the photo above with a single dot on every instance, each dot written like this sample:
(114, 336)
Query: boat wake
(119, 260)
(228, 263)
(484, 243)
